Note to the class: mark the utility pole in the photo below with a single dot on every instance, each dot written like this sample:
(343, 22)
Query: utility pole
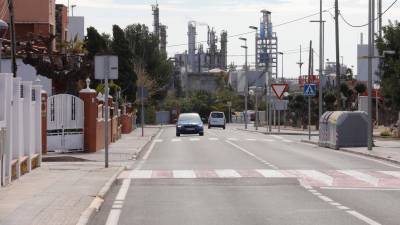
(338, 95)
(300, 63)
(246, 88)
(310, 70)
(371, 34)
(380, 18)
(12, 37)
(321, 60)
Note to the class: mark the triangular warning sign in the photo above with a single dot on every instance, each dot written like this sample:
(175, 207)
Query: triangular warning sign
(279, 89)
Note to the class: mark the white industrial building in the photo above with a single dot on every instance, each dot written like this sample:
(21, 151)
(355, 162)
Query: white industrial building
(76, 28)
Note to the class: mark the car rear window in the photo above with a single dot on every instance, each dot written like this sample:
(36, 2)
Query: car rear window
(217, 115)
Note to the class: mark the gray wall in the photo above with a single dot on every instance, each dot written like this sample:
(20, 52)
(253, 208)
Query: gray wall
(76, 27)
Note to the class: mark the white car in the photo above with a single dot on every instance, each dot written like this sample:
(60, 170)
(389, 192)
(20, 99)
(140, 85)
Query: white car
(217, 119)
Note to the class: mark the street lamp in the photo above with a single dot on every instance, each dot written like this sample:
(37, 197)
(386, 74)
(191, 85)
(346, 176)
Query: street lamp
(255, 46)
(246, 82)
(281, 53)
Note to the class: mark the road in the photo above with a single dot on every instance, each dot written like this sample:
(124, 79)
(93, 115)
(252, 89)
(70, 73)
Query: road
(238, 177)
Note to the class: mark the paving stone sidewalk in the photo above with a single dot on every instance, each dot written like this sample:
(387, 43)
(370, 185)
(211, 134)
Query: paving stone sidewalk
(59, 192)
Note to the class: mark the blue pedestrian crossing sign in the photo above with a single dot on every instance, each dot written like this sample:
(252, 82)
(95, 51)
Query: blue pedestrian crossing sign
(310, 90)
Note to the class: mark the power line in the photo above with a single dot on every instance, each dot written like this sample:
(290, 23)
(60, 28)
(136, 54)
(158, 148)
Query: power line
(252, 32)
(364, 25)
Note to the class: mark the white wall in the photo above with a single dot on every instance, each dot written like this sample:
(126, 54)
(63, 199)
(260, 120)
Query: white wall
(27, 73)
(362, 64)
(76, 27)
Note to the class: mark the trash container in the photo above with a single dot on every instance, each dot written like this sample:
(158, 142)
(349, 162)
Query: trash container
(343, 129)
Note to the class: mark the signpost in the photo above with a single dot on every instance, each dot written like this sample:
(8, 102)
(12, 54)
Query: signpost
(229, 103)
(105, 68)
(142, 94)
(279, 90)
(310, 90)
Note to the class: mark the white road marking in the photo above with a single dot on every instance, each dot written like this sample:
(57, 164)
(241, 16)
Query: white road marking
(271, 173)
(251, 139)
(227, 174)
(287, 141)
(194, 139)
(140, 174)
(213, 139)
(342, 207)
(326, 199)
(277, 137)
(269, 140)
(113, 217)
(318, 176)
(188, 174)
(232, 139)
(176, 139)
(361, 189)
(146, 156)
(251, 154)
(363, 218)
(335, 204)
(158, 140)
(117, 206)
(123, 191)
(361, 176)
(392, 173)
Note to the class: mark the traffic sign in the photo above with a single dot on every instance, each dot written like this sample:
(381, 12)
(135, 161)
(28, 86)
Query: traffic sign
(279, 89)
(310, 90)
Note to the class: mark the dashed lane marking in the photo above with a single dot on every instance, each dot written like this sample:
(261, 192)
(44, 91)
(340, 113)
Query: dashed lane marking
(176, 140)
(363, 218)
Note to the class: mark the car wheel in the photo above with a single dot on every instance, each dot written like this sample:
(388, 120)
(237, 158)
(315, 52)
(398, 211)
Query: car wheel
(209, 127)
(178, 135)
(201, 134)
(224, 127)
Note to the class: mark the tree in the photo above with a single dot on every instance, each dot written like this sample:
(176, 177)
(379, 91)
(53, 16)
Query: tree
(390, 65)
(360, 88)
(126, 76)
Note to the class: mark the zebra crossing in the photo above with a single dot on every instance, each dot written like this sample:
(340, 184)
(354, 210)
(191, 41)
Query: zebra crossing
(313, 178)
(214, 139)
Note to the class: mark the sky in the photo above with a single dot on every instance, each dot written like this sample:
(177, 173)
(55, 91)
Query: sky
(236, 16)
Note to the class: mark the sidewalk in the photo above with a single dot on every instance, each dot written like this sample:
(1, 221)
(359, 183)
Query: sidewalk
(59, 192)
(283, 130)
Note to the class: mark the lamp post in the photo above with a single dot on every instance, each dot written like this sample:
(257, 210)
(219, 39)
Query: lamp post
(3, 31)
(255, 46)
(72, 9)
(246, 81)
(281, 53)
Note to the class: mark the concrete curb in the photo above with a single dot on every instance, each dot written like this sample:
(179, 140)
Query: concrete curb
(358, 153)
(99, 199)
(277, 133)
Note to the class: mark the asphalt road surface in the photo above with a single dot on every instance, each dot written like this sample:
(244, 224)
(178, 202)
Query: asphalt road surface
(232, 177)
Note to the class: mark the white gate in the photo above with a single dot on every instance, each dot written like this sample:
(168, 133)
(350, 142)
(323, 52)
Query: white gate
(65, 123)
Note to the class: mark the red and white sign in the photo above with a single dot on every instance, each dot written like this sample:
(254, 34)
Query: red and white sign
(279, 89)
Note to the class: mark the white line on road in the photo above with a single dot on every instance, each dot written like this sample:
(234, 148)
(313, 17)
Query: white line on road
(277, 137)
(176, 140)
(361, 176)
(185, 174)
(269, 140)
(113, 217)
(318, 176)
(271, 173)
(194, 139)
(213, 139)
(123, 191)
(392, 173)
(140, 174)
(251, 154)
(227, 174)
(287, 141)
(361, 189)
(251, 139)
(363, 218)
(146, 156)
(232, 139)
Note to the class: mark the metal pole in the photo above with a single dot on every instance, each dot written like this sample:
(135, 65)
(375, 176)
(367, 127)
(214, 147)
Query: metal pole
(107, 66)
(370, 56)
(142, 109)
(321, 61)
(279, 121)
(12, 37)
(256, 122)
(246, 91)
(282, 67)
(309, 118)
(338, 73)
(377, 107)
(1, 59)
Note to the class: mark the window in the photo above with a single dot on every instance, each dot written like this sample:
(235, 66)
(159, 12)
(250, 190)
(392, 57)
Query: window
(33, 95)
(21, 91)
